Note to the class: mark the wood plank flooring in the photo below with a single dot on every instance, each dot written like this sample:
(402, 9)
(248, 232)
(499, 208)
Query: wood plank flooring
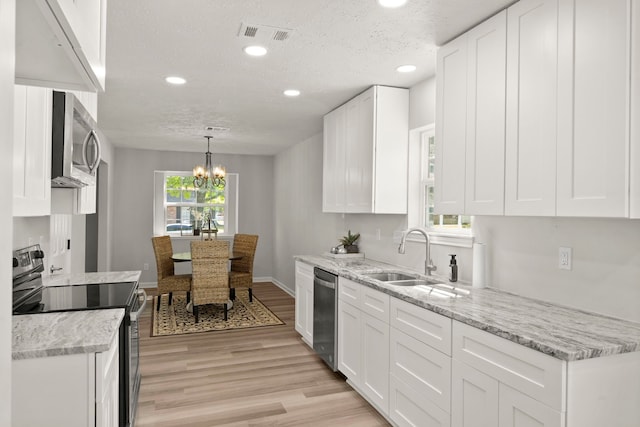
(253, 377)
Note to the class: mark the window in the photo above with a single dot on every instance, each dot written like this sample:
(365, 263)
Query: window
(445, 229)
(182, 209)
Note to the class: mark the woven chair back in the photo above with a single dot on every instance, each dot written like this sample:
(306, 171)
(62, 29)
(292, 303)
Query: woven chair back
(210, 277)
(163, 250)
(245, 245)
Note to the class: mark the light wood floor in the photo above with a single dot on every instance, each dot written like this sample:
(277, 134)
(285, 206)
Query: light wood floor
(253, 377)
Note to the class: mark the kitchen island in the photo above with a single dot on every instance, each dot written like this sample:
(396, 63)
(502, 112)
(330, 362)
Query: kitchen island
(65, 368)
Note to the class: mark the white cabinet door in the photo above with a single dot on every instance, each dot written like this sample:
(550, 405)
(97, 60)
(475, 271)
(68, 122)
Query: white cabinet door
(304, 302)
(486, 85)
(374, 381)
(409, 408)
(593, 90)
(360, 152)
(333, 166)
(349, 341)
(532, 37)
(519, 410)
(451, 108)
(474, 397)
(107, 374)
(32, 151)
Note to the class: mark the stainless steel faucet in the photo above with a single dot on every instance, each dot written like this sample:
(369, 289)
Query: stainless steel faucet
(428, 265)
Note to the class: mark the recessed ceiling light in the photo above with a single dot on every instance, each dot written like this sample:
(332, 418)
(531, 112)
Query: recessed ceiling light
(392, 3)
(255, 50)
(291, 92)
(175, 80)
(406, 68)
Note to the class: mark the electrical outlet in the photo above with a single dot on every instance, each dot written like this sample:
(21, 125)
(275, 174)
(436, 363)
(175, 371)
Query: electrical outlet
(145, 266)
(564, 258)
(378, 234)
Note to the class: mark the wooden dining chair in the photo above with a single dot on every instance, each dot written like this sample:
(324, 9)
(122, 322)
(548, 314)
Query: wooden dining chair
(241, 273)
(210, 283)
(168, 281)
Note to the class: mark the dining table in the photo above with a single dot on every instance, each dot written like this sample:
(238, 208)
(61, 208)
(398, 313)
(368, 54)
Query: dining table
(186, 257)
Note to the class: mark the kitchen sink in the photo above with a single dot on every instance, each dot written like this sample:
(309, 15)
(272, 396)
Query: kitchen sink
(442, 290)
(391, 276)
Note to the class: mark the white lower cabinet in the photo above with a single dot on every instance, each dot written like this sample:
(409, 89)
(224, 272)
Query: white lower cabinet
(375, 360)
(419, 368)
(519, 410)
(474, 396)
(304, 302)
(70, 390)
(408, 408)
(363, 341)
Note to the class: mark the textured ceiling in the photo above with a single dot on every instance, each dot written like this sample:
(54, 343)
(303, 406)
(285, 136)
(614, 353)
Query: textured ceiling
(337, 48)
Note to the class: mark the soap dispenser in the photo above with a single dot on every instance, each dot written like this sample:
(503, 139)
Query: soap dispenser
(453, 276)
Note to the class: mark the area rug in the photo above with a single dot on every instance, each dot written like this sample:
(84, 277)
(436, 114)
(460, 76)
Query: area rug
(174, 319)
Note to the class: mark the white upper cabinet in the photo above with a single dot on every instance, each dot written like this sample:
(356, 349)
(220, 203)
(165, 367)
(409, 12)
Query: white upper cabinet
(365, 153)
(32, 151)
(470, 113)
(61, 43)
(333, 165)
(484, 189)
(532, 41)
(593, 89)
(451, 115)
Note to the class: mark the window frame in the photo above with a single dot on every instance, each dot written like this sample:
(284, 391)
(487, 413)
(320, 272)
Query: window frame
(161, 204)
(419, 180)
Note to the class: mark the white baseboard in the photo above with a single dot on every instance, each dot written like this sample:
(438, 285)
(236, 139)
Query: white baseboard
(283, 287)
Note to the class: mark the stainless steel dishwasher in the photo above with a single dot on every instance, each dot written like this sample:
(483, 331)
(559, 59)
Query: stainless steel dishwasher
(325, 313)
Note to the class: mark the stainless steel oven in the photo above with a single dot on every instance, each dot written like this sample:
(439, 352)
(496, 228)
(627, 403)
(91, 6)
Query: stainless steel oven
(30, 297)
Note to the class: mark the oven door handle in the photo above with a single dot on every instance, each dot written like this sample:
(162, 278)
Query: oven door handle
(134, 315)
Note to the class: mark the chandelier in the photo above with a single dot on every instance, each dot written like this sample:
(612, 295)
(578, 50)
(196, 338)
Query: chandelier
(204, 176)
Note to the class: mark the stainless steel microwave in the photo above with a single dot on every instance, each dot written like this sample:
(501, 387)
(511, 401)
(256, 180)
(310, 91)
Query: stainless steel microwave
(75, 145)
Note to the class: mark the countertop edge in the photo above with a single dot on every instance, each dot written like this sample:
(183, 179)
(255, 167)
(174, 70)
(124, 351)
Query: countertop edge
(586, 351)
(39, 335)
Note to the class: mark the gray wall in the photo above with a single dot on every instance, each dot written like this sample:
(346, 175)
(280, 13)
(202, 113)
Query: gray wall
(132, 229)
(522, 251)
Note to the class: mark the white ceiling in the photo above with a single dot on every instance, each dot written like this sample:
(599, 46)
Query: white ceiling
(337, 49)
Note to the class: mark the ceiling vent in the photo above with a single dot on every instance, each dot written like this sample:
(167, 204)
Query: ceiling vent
(264, 33)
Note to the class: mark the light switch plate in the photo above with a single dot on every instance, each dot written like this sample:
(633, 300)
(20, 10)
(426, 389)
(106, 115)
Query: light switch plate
(564, 258)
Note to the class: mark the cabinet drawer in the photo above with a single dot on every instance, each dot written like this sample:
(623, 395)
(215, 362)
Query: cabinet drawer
(408, 408)
(349, 291)
(423, 368)
(422, 324)
(533, 373)
(374, 303)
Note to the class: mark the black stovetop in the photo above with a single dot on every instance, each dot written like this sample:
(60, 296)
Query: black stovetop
(79, 297)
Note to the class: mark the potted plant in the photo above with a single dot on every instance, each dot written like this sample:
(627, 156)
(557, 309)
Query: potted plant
(349, 242)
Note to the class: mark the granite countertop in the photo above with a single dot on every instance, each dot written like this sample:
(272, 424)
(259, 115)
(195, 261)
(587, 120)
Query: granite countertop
(84, 278)
(562, 332)
(69, 332)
